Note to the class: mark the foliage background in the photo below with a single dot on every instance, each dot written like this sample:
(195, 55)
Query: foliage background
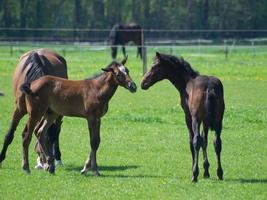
(156, 14)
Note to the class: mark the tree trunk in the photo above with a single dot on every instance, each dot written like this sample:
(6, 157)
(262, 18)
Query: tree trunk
(189, 6)
(205, 14)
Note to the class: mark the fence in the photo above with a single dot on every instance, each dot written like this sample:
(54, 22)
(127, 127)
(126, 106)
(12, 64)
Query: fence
(101, 35)
(97, 39)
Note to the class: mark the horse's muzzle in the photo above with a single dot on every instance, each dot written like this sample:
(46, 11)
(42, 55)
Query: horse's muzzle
(144, 85)
(132, 87)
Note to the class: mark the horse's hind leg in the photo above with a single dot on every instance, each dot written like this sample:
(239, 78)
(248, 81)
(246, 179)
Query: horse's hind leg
(191, 136)
(123, 51)
(114, 52)
(197, 143)
(139, 51)
(204, 147)
(26, 140)
(218, 148)
(17, 115)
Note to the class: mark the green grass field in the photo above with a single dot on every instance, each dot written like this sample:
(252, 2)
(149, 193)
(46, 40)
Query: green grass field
(144, 151)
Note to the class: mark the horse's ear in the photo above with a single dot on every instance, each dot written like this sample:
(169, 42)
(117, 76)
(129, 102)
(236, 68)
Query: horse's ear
(107, 69)
(158, 55)
(124, 60)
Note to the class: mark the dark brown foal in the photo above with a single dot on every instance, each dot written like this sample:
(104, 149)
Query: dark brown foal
(50, 96)
(202, 101)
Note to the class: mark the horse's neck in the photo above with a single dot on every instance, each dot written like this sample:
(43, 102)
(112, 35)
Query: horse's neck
(180, 82)
(107, 86)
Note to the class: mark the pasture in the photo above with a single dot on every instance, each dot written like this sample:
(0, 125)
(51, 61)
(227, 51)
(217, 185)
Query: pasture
(144, 151)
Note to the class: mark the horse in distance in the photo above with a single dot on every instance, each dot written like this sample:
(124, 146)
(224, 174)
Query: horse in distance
(123, 34)
(202, 100)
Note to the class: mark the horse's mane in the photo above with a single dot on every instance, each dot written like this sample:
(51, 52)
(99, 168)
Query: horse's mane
(37, 68)
(97, 75)
(180, 64)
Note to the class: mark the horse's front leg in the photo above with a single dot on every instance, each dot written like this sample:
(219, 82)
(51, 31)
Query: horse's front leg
(53, 134)
(197, 143)
(94, 131)
(26, 140)
(191, 136)
(45, 142)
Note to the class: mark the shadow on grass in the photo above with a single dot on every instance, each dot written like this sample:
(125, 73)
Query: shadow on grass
(131, 176)
(112, 168)
(102, 168)
(248, 180)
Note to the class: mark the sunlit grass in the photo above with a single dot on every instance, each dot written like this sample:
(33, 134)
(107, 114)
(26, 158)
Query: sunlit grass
(144, 151)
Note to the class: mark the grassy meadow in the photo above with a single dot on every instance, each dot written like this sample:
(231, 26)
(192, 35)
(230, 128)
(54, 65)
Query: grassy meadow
(144, 151)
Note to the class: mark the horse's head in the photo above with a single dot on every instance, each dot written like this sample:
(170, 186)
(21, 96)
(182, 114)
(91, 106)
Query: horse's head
(121, 75)
(157, 72)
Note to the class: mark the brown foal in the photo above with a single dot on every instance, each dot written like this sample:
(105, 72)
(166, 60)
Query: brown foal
(50, 97)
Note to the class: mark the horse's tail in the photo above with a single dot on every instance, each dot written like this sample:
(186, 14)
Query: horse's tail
(35, 69)
(112, 34)
(210, 104)
(25, 88)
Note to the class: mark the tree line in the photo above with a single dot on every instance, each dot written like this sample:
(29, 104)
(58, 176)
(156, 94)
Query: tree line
(150, 14)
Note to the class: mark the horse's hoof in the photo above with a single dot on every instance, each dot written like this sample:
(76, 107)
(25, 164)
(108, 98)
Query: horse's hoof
(58, 163)
(194, 179)
(206, 175)
(38, 167)
(84, 171)
(2, 157)
(45, 166)
(220, 174)
(51, 168)
(27, 171)
(96, 173)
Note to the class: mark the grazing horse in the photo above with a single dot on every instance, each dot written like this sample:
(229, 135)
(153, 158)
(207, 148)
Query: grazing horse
(33, 65)
(51, 97)
(122, 34)
(1, 93)
(202, 101)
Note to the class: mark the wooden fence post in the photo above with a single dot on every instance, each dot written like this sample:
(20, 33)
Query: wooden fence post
(144, 54)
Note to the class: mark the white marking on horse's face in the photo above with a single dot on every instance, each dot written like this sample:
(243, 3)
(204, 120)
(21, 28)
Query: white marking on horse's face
(123, 69)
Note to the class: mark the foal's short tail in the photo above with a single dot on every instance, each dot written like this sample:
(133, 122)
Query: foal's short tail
(210, 105)
(25, 88)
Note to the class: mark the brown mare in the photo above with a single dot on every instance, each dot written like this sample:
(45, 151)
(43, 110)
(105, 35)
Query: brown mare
(51, 97)
(33, 65)
(202, 101)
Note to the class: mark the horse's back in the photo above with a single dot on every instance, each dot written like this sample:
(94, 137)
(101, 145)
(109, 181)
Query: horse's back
(122, 34)
(53, 63)
(200, 90)
(203, 82)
